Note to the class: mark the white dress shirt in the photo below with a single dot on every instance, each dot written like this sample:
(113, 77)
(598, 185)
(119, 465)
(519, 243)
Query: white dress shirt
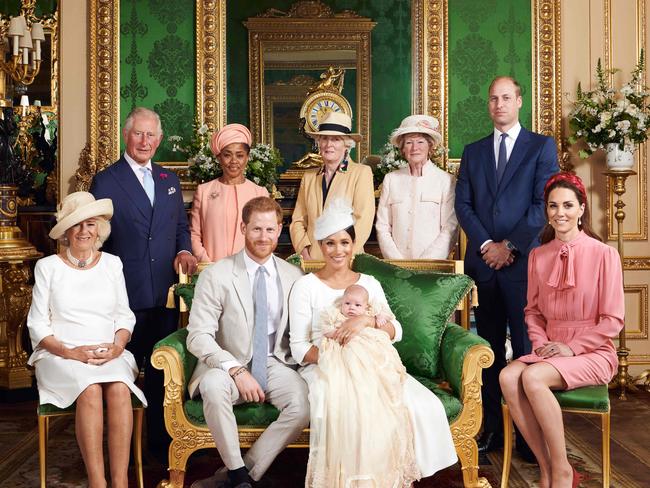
(273, 297)
(135, 166)
(513, 133)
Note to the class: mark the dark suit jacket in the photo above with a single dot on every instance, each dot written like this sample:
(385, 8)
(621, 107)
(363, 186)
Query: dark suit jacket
(513, 209)
(146, 239)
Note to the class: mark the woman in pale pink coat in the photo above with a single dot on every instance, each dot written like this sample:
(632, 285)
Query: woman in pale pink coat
(415, 215)
(217, 206)
(575, 307)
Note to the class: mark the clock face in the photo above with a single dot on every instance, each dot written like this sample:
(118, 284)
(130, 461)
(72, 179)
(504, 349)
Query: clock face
(318, 104)
(320, 108)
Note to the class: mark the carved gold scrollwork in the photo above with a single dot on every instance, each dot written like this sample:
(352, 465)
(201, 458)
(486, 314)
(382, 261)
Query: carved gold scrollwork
(14, 304)
(88, 166)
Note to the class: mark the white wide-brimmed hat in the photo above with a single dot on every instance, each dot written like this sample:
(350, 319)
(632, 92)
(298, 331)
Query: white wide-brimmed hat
(77, 207)
(417, 124)
(335, 124)
(337, 216)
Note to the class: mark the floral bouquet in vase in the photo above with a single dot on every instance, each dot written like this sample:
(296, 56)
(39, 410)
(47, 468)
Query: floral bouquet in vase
(610, 119)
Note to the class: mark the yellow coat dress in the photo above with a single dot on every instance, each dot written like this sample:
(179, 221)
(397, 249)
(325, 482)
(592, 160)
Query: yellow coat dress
(352, 182)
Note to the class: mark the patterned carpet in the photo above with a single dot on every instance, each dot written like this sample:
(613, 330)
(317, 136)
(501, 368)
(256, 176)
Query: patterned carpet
(630, 451)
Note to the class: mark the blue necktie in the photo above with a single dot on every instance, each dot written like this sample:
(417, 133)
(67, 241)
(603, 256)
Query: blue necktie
(260, 332)
(148, 184)
(503, 158)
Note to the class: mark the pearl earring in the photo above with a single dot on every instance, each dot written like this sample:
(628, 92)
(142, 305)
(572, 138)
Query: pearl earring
(579, 222)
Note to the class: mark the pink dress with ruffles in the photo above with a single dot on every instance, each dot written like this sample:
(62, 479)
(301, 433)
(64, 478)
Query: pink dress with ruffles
(575, 296)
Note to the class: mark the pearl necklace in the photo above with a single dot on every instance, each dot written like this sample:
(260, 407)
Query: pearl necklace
(79, 263)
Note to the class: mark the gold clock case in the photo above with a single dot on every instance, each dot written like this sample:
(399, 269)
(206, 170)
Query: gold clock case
(302, 32)
(315, 98)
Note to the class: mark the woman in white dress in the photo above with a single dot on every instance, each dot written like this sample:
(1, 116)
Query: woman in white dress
(415, 214)
(314, 293)
(79, 323)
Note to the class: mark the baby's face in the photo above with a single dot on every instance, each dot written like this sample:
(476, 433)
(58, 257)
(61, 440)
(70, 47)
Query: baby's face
(354, 303)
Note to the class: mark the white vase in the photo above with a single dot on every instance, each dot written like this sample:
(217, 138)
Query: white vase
(619, 159)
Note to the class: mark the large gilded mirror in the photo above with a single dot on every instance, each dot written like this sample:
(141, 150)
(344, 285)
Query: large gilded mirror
(286, 49)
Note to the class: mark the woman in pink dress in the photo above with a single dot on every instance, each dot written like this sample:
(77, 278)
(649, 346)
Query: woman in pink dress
(215, 220)
(575, 307)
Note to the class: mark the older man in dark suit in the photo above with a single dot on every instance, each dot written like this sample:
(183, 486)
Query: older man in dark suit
(500, 206)
(150, 234)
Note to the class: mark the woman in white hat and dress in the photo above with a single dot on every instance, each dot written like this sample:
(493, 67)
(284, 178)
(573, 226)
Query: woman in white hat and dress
(339, 177)
(334, 462)
(415, 215)
(79, 324)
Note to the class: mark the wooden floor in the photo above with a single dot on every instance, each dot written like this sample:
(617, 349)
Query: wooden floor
(630, 451)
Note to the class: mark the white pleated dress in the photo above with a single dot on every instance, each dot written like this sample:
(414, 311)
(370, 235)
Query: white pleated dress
(79, 307)
(434, 446)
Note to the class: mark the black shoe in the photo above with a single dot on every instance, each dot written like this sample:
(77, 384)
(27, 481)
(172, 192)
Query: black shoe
(489, 441)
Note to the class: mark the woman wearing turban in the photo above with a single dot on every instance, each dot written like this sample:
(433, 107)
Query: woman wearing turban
(217, 206)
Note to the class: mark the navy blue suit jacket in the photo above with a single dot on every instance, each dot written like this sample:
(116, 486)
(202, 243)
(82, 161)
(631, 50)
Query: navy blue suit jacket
(146, 239)
(513, 209)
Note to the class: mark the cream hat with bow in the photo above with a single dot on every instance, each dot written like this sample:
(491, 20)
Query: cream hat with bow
(77, 207)
(417, 124)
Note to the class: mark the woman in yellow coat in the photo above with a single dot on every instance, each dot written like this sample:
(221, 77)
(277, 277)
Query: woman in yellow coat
(337, 178)
(215, 220)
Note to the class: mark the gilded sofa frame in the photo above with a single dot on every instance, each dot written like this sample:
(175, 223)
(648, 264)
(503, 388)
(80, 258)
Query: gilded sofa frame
(188, 437)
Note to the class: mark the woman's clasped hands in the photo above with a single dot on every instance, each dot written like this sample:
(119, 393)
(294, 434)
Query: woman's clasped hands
(95, 354)
(554, 349)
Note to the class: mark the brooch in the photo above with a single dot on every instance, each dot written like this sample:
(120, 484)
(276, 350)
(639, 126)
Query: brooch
(171, 190)
(163, 176)
(214, 195)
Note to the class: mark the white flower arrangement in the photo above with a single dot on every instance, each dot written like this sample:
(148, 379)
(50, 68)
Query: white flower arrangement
(605, 115)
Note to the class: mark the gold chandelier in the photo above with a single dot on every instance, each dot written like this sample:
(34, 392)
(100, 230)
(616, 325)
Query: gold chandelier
(23, 37)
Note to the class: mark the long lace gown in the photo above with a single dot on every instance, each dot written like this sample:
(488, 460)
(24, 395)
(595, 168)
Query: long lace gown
(352, 411)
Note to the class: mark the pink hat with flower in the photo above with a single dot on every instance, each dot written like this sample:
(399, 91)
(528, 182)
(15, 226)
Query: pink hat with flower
(417, 124)
(229, 134)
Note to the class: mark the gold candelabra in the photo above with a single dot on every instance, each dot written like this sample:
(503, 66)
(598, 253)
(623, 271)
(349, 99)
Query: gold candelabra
(617, 184)
(23, 36)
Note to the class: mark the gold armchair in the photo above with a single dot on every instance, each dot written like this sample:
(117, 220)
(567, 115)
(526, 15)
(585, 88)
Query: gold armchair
(463, 356)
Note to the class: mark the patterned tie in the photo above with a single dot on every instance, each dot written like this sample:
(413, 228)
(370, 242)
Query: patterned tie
(149, 186)
(260, 332)
(503, 158)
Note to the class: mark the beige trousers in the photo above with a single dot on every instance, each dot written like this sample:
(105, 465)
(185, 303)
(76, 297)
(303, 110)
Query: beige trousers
(286, 391)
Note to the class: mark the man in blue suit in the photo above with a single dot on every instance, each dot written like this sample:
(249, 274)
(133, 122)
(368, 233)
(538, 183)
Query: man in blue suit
(150, 234)
(500, 206)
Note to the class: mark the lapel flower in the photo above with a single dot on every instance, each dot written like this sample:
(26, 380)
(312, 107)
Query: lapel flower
(163, 176)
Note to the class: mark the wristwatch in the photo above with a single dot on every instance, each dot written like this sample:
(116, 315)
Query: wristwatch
(509, 245)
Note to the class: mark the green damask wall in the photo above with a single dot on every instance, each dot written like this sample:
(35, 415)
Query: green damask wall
(487, 38)
(391, 58)
(157, 64)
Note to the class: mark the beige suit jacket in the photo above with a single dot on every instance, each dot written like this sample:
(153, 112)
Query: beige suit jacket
(222, 317)
(354, 185)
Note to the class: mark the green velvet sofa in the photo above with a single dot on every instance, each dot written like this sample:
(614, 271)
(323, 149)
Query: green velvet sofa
(460, 360)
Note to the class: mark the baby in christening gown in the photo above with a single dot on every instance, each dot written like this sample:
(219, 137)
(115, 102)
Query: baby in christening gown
(361, 431)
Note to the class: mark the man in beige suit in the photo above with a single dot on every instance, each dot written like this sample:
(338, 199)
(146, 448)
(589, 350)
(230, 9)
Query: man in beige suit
(238, 331)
